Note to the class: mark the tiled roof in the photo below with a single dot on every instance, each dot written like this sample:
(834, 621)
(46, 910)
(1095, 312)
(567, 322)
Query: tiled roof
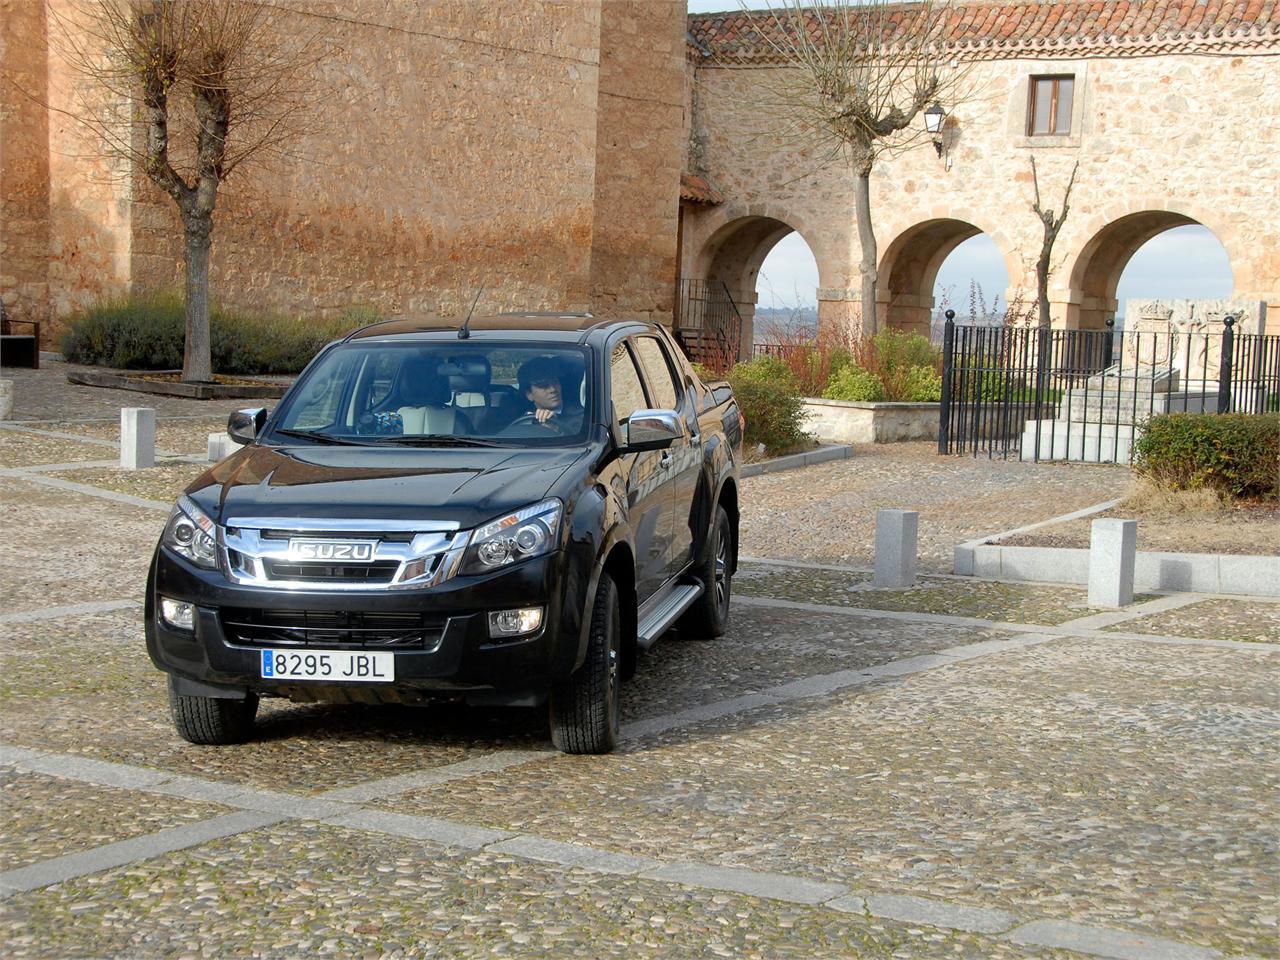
(696, 189)
(1003, 30)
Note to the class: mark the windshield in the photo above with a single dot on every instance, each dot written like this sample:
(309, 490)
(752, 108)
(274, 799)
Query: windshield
(440, 394)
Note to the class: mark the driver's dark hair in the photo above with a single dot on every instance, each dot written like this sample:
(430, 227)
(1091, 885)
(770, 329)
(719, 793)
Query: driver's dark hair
(539, 368)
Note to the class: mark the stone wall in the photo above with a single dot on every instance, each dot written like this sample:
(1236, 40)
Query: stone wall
(457, 145)
(639, 151)
(1161, 141)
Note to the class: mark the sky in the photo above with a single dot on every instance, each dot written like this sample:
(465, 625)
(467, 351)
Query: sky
(1185, 262)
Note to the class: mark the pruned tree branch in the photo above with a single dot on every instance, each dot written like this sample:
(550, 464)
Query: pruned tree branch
(1052, 227)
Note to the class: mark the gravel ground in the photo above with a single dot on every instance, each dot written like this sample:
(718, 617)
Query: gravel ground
(1056, 779)
(1217, 619)
(303, 890)
(1253, 531)
(828, 512)
(163, 482)
(25, 449)
(185, 434)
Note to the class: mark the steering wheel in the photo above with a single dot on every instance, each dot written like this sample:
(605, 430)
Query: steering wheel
(531, 419)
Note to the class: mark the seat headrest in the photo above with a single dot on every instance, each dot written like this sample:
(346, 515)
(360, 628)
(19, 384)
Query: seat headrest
(421, 383)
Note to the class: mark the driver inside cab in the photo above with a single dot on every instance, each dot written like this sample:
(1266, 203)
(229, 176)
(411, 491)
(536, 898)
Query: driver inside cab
(541, 383)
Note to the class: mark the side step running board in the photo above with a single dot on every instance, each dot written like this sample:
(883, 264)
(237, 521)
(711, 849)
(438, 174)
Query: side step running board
(658, 621)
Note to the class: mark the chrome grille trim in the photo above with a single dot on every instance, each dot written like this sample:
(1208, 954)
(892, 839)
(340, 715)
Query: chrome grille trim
(248, 547)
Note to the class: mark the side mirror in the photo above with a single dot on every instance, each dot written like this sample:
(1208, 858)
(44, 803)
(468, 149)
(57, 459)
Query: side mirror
(651, 430)
(243, 426)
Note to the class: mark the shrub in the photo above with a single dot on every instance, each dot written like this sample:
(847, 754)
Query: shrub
(922, 385)
(854, 384)
(891, 356)
(147, 333)
(1235, 454)
(770, 402)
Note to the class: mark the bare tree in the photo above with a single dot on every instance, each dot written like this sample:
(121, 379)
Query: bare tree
(858, 74)
(1052, 226)
(189, 91)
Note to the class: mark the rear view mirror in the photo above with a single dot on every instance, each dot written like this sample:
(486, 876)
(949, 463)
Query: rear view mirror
(651, 430)
(243, 426)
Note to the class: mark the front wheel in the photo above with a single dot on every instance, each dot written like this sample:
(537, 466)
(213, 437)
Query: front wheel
(584, 708)
(212, 720)
(709, 615)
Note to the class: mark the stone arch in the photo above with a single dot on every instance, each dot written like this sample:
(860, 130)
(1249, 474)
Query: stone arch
(739, 239)
(909, 267)
(1094, 272)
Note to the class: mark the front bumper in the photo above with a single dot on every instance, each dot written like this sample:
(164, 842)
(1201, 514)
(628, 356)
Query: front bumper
(457, 659)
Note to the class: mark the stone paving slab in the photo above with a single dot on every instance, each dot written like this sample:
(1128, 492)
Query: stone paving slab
(299, 889)
(1216, 619)
(45, 817)
(63, 548)
(986, 599)
(767, 646)
(88, 687)
(162, 482)
(1057, 781)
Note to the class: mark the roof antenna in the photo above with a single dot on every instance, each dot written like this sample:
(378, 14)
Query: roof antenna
(463, 332)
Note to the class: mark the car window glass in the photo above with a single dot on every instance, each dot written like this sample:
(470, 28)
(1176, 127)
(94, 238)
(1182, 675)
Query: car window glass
(628, 391)
(661, 385)
(317, 401)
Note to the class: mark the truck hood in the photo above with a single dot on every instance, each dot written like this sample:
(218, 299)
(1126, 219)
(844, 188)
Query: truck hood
(468, 486)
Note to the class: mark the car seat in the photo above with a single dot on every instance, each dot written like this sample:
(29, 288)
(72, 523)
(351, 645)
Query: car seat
(425, 396)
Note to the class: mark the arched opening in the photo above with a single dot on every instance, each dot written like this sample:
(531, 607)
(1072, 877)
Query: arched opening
(787, 291)
(1160, 272)
(972, 281)
(910, 268)
(731, 262)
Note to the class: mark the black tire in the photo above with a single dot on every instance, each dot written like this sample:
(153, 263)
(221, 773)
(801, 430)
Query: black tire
(709, 615)
(584, 708)
(212, 720)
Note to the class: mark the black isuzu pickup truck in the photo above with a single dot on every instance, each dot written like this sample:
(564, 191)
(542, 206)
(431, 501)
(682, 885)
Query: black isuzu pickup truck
(505, 513)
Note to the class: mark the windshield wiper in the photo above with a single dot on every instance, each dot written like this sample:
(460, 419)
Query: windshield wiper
(441, 441)
(315, 437)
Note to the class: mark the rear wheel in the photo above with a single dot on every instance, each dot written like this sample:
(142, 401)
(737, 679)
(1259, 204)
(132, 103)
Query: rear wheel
(709, 615)
(212, 720)
(584, 708)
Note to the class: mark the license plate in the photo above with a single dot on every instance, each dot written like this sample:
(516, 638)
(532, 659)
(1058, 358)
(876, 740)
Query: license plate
(334, 666)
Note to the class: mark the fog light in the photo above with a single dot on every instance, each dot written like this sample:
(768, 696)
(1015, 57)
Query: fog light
(513, 623)
(178, 613)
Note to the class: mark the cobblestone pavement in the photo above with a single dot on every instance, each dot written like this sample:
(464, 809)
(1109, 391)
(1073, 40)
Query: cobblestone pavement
(964, 769)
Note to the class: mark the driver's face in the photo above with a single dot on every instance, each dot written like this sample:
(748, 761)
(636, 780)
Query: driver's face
(544, 394)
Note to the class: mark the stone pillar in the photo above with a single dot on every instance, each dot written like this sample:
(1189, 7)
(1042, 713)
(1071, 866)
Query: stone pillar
(220, 447)
(137, 438)
(896, 548)
(1113, 549)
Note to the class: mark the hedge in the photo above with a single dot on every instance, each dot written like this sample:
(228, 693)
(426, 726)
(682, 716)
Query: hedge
(147, 333)
(769, 397)
(1235, 454)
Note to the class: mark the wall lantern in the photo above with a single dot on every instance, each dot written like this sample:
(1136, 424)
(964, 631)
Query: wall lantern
(933, 118)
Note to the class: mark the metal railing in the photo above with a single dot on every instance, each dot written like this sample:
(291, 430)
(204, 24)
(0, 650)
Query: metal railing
(707, 323)
(1083, 395)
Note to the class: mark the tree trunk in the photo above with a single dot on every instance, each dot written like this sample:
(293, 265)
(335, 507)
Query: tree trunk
(1042, 281)
(867, 242)
(197, 360)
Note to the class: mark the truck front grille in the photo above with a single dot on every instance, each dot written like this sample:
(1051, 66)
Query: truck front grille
(333, 629)
(376, 572)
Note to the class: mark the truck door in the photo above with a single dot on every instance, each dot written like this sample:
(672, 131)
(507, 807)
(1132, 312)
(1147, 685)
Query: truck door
(644, 476)
(683, 461)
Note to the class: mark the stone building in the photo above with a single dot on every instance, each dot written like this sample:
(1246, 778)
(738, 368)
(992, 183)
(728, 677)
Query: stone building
(1171, 108)
(538, 148)
(534, 148)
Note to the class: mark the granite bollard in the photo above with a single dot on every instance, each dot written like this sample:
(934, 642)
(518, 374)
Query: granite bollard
(137, 438)
(1113, 550)
(220, 447)
(896, 548)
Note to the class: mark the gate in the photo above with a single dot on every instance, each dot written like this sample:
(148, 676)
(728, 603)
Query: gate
(1036, 393)
(708, 324)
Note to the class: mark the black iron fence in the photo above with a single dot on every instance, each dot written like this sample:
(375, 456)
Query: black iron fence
(1044, 394)
(708, 324)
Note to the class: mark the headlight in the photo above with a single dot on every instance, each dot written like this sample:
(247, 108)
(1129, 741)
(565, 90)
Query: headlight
(526, 533)
(191, 534)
